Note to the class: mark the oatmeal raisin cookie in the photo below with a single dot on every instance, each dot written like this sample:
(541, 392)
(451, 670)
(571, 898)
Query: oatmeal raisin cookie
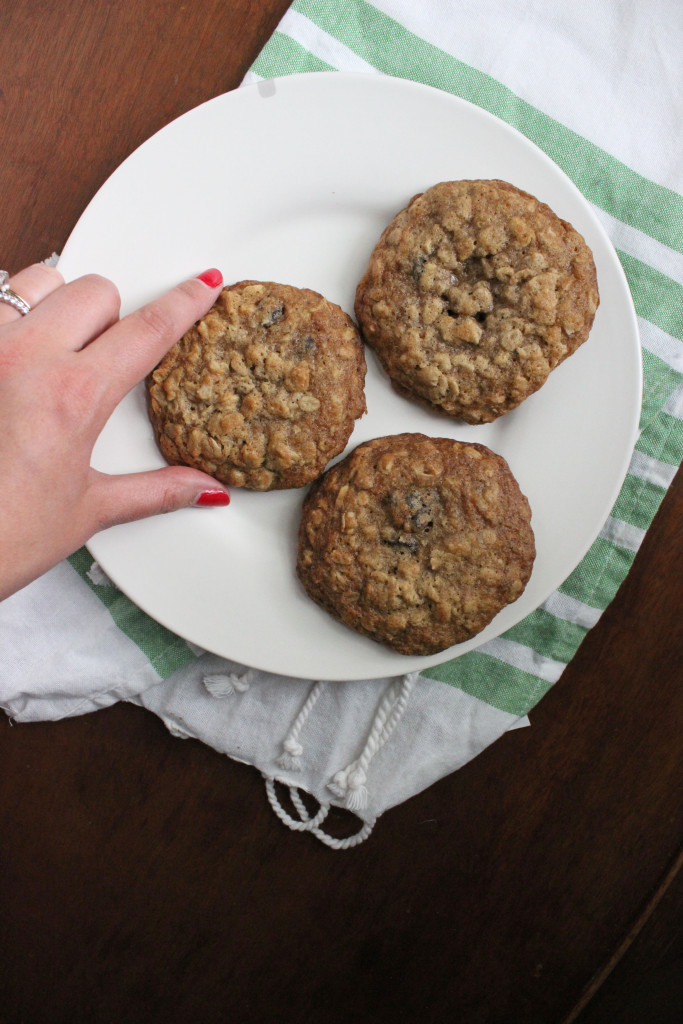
(263, 391)
(416, 542)
(473, 294)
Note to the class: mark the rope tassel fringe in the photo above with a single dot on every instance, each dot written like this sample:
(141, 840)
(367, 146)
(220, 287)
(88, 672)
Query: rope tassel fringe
(349, 784)
(290, 759)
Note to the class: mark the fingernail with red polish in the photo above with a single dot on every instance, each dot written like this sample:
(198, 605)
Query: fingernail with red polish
(212, 277)
(208, 499)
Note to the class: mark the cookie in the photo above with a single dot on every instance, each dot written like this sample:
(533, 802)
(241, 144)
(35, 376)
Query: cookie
(473, 294)
(263, 391)
(416, 542)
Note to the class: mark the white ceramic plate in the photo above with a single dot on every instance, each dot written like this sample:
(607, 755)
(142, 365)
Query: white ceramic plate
(293, 180)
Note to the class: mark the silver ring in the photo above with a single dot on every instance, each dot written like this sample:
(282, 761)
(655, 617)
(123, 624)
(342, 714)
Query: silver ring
(7, 295)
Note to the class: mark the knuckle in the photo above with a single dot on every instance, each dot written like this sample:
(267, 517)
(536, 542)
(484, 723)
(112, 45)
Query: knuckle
(104, 290)
(195, 298)
(113, 508)
(155, 322)
(191, 289)
(168, 501)
(50, 275)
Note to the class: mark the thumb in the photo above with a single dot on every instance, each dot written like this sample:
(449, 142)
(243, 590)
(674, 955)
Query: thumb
(131, 496)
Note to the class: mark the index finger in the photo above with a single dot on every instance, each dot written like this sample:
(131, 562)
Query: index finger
(133, 346)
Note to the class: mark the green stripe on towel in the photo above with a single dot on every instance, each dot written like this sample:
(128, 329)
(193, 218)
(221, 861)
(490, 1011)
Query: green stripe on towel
(283, 51)
(602, 178)
(502, 686)
(166, 651)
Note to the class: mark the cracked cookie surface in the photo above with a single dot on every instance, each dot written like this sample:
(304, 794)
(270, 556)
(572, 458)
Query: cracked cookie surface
(416, 542)
(473, 295)
(263, 391)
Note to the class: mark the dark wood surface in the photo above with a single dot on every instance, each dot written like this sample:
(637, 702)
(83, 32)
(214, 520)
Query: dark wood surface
(145, 879)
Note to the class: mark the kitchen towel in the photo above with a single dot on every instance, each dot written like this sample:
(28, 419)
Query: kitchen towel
(599, 88)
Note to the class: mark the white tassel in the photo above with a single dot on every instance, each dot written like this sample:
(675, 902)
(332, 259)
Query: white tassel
(349, 786)
(178, 731)
(338, 785)
(196, 649)
(357, 794)
(225, 684)
(349, 783)
(98, 576)
(290, 758)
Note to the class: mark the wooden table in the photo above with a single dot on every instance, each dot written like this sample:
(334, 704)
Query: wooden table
(145, 879)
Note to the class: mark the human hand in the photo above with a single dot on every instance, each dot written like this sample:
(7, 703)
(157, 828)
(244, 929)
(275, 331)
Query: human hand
(63, 368)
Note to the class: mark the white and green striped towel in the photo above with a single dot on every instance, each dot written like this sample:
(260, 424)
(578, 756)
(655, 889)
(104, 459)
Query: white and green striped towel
(599, 87)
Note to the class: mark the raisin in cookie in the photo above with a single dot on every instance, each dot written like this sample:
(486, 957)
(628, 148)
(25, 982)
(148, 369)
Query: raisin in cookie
(415, 541)
(263, 391)
(473, 294)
